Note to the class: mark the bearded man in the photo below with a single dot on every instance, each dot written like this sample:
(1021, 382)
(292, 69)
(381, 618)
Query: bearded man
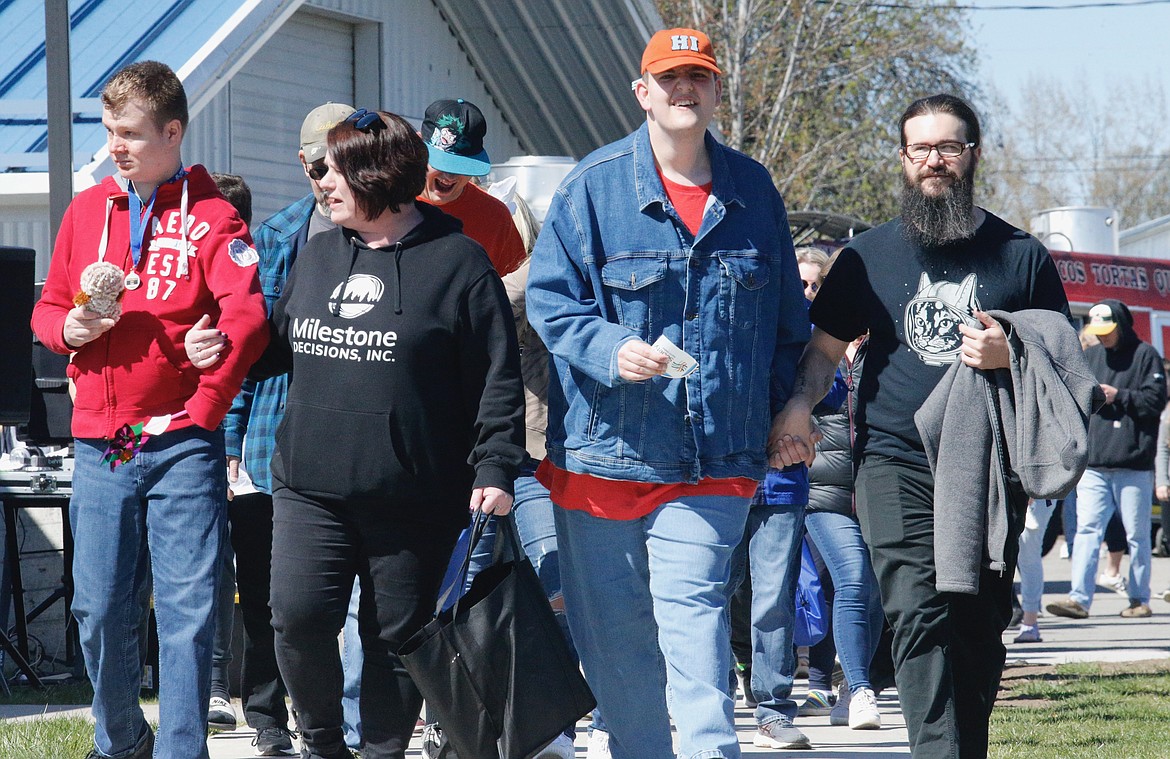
(920, 285)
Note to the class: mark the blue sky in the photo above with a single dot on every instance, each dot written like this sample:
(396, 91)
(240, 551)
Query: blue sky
(1091, 46)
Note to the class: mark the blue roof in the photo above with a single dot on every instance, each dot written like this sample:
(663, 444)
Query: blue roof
(105, 35)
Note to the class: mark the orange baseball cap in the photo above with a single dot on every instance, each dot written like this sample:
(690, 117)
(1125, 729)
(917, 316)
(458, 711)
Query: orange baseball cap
(678, 47)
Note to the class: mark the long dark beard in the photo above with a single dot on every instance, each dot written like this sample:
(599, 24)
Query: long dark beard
(932, 222)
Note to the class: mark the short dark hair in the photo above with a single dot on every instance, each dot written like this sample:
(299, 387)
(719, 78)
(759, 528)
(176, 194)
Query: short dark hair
(154, 85)
(236, 190)
(385, 167)
(943, 103)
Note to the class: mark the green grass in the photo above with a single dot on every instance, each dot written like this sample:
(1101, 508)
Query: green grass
(1120, 711)
(1084, 710)
(57, 694)
(49, 738)
(57, 737)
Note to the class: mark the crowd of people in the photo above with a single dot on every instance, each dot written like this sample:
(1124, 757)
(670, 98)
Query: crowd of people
(306, 413)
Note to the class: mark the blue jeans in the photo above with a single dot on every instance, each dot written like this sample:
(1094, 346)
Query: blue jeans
(168, 501)
(1099, 494)
(1031, 566)
(857, 605)
(646, 600)
(771, 541)
(536, 523)
(352, 661)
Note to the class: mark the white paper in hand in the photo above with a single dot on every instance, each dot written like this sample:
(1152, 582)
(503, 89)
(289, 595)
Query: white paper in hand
(682, 364)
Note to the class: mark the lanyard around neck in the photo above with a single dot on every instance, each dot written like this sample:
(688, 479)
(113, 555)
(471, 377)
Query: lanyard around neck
(139, 222)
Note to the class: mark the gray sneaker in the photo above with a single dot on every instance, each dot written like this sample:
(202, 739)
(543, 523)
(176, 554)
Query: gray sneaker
(780, 733)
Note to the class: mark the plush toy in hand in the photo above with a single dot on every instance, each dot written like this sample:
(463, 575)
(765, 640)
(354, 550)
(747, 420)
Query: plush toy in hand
(102, 285)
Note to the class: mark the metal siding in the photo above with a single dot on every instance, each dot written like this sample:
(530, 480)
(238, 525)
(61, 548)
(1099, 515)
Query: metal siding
(209, 136)
(567, 83)
(28, 228)
(265, 130)
(431, 64)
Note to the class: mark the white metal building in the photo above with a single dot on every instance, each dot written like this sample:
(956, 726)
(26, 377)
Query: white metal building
(1150, 239)
(551, 76)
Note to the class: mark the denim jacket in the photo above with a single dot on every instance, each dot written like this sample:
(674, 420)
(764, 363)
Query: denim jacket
(615, 263)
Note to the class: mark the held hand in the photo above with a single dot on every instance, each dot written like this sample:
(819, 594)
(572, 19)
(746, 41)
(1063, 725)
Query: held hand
(83, 326)
(1162, 492)
(985, 348)
(204, 344)
(233, 473)
(1110, 392)
(491, 500)
(638, 361)
(793, 438)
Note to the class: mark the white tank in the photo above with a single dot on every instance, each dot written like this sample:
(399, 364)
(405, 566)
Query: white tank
(1085, 229)
(537, 178)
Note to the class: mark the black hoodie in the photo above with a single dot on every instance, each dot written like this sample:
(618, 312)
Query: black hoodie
(405, 375)
(1123, 434)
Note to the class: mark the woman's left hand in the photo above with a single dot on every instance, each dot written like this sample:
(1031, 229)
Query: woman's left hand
(491, 500)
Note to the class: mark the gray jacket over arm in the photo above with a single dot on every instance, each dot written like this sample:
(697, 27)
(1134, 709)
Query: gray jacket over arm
(985, 431)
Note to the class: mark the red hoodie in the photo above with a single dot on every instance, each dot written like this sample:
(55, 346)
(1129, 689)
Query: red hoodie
(139, 368)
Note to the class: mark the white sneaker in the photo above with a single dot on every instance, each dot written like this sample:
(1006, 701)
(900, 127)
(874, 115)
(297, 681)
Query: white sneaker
(863, 711)
(220, 714)
(560, 748)
(598, 745)
(840, 713)
(1116, 583)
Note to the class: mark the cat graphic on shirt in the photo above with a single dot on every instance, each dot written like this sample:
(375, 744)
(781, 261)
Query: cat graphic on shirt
(933, 317)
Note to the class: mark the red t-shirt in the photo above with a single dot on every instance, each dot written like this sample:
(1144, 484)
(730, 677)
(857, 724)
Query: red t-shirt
(625, 499)
(487, 221)
(690, 202)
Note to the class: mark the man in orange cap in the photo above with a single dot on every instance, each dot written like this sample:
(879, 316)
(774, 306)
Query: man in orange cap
(665, 287)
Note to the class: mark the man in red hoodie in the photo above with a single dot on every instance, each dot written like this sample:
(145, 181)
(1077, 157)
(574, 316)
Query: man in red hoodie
(149, 481)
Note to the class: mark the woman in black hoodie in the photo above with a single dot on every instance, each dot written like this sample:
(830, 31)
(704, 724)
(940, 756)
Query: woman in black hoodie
(405, 406)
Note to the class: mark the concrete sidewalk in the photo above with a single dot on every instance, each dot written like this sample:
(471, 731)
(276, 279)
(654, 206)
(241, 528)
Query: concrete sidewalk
(1105, 636)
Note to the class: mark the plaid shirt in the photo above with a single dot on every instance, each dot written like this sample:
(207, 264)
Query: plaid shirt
(257, 410)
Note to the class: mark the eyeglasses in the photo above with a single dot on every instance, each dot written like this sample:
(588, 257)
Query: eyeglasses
(317, 170)
(920, 151)
(367, 121)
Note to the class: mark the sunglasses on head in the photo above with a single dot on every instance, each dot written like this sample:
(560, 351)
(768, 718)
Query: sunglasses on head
(367, 121)
(317, 170)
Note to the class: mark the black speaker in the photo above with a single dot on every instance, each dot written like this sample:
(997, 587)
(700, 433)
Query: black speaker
(17, 274)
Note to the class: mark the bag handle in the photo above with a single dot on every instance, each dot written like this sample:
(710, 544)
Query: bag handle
(505, 525)
(478, 526)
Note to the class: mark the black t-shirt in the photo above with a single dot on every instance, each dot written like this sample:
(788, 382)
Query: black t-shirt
(912, 301)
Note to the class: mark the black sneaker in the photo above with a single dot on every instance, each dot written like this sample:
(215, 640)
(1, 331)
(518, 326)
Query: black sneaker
(273, 741)
(220, 714)
(144, 749)
(745, 680)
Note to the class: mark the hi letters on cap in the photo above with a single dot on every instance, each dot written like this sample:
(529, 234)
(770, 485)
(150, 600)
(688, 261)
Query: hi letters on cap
(684, 42)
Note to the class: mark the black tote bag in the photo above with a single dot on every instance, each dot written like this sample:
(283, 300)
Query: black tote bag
(495, 667)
